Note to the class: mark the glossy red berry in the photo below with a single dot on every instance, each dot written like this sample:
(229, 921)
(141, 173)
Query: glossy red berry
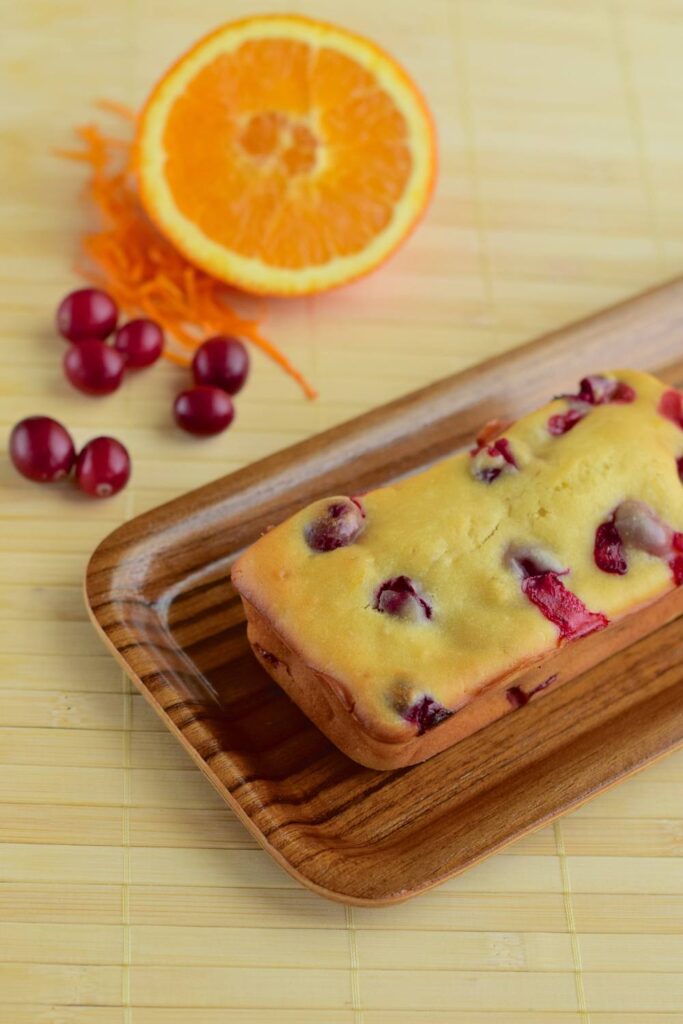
(203, 410)
(103, 467)
(671, 406)
(491, 460)
(426, 713)
(608, 550)
(94, 367)
(221, 362)
(640, 527)
(335, 526)
(86, 313)
(140, 342)
(41, 449)
(399, 597)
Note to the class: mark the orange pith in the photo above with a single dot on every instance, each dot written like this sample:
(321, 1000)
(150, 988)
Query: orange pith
(285, 156)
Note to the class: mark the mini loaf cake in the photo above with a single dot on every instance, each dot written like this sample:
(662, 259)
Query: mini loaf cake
(406, 618)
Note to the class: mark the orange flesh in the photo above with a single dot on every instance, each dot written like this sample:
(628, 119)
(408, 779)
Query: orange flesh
(142, 271)
(295, 186)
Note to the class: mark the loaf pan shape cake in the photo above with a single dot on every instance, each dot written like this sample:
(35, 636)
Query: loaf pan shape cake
(407, 618)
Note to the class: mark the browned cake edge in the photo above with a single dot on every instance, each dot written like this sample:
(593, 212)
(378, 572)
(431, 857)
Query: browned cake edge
(325, 700)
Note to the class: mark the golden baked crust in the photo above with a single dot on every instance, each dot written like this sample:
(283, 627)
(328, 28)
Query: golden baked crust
(453, 581)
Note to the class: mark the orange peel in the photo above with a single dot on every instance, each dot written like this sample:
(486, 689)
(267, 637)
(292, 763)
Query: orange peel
(285, 156)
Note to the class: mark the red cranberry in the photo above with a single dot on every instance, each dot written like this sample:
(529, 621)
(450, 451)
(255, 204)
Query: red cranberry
(676, 563)
(86, 313)
(338, 525)
(41, 449)
(671, 406)
(203, 411)
(102, 467)
(532, 561)
(93, 367)
(594, 390)
(518, 697)
(679, 467)
(268, 656)
(426, 713)
(677, 569)
(608, 552)
(490, 461)
(539, 574)
(140, 342)
(563, 422)
(399, 597)
(221, 362)
(640, 527)
(561, 607)
(599, 390)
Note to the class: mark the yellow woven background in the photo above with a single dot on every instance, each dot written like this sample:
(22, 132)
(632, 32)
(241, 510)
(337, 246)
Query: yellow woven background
(128, 891)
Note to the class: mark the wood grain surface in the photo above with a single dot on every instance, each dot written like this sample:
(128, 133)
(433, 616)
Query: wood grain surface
(159, 592)
(128, 892)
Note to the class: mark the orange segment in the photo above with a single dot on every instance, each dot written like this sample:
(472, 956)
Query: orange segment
(285, 156)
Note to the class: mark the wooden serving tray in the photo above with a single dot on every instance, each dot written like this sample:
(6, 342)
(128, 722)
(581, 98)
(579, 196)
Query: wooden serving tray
(158, 590)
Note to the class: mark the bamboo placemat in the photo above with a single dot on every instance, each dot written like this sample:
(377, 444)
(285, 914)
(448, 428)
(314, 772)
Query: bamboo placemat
(128, 893)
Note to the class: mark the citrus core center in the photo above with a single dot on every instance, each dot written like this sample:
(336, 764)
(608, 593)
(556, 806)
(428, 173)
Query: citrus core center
(272, 135)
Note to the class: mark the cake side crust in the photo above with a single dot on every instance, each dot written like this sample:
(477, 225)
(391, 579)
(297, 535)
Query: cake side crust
(421, 593)
(326, 702)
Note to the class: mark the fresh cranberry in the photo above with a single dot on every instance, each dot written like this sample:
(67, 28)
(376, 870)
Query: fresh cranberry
(102, 467)
(679, 467)
(204, 411)
(676, 562)
(93, 367)
(268, 656)
(221, 362)
(41, 449)
(594, 390)
(86, 313)
(140, 342)
(607, 550)
(671, 406)
(561, 607)
(677, 569)
(518, 697)
(426, 713)
(399, 597)
(489, 461)
(563, 422)
(599, 390)
(502, 446)
(640, 527)
(532, 561)
(540, 581)
(338, 525)
(635, 525)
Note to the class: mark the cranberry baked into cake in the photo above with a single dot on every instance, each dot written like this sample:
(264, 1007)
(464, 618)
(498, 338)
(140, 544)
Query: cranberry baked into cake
(406, 618)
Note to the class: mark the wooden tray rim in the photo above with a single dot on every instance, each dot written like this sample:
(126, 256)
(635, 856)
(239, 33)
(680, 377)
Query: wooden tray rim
(146, 528)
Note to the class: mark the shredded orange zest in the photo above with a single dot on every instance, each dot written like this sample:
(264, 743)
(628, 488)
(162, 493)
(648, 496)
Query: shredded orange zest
(142, 271)
(114, 107)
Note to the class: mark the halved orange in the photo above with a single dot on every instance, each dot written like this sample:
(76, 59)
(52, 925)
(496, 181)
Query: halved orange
(285, 156)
